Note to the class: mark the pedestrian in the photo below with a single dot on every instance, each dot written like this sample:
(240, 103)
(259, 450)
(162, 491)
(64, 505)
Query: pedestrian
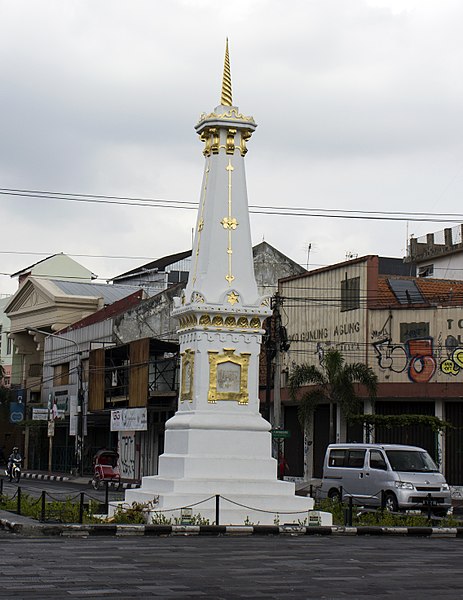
(283, 467)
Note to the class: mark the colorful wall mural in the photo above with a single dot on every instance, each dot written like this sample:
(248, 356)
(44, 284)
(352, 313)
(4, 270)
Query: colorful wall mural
(420, 357)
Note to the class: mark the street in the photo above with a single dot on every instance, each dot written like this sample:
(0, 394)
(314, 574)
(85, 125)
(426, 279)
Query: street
(231, 568)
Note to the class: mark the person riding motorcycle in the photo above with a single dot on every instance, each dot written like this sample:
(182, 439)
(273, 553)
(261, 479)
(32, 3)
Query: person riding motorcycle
(15, 456)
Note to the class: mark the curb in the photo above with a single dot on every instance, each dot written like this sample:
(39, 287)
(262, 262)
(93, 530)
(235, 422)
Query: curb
(46, 477)
(26, 475)
(33, 528)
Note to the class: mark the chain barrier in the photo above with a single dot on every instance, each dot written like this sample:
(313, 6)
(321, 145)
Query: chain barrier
(126, 505)
(33, 503)
(94, 498)
(272, 512)
(66, 498)
(182, 507)
(380, 495)
(61, 500)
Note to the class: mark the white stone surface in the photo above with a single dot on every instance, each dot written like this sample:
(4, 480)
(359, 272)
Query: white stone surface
(211, 257)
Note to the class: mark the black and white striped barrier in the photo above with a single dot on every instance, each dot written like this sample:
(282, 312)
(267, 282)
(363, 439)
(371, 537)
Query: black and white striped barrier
(47, 477)
(26, 527)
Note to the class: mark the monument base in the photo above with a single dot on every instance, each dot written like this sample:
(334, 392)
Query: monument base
(220, 463)
(234, 502)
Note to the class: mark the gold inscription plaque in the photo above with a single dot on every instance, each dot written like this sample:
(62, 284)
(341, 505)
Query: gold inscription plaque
(188, 364)
(228, 376)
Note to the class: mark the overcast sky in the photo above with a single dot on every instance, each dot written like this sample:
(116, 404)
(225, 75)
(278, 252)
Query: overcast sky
(358, 103)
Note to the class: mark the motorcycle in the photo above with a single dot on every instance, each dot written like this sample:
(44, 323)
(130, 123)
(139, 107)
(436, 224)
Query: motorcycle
(14, 473)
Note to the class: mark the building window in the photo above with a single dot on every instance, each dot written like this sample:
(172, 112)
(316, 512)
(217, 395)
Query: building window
(350, 293)
(61, 374)
(117, 375)
(34, 398)
(426, 271)
(35, 370)
(413, 331)
(9, 346)
(177, 277)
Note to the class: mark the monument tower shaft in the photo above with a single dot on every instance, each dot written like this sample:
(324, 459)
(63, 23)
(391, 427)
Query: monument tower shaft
(220, 312)
(222, 254)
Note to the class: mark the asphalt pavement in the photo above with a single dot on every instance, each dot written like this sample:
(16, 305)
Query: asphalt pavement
(231, 568)
(108, 561)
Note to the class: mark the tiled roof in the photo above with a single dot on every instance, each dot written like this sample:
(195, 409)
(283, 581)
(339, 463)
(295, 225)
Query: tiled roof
(435, 292)
(107, 312)
(109, 293)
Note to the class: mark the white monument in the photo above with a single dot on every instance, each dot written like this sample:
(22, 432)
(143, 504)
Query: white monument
(217, 443)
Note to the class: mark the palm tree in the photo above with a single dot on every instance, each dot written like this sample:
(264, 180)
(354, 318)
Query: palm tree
(333, 384)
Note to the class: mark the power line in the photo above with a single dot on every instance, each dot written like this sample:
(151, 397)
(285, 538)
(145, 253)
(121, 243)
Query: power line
(255, 209)
(79, 255)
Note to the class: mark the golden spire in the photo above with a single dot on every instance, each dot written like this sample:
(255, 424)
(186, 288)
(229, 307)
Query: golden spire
(226, 97)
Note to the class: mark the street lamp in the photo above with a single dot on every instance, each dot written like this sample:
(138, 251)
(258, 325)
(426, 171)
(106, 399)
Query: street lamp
(80, 399)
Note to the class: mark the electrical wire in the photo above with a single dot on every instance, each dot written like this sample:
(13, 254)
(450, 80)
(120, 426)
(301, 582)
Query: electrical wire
(255, 209)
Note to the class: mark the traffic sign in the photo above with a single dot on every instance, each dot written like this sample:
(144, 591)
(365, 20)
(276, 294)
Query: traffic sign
(280, 434)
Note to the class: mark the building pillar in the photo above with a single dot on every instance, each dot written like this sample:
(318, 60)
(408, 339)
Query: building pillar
(439, 410)
(368, 432)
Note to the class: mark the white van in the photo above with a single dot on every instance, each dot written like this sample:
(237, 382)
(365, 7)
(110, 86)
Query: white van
(407, 475)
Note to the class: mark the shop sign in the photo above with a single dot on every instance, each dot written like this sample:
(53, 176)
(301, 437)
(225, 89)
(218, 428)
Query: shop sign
(129, 419)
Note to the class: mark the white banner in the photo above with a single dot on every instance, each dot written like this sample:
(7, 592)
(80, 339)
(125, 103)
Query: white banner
(42, 414)
(73, 417)
(126, 448)
(129, 419)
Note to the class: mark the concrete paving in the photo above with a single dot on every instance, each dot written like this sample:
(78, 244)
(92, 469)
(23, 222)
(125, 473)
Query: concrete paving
(231, 568)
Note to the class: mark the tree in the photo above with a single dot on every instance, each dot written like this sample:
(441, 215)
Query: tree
(333, 383)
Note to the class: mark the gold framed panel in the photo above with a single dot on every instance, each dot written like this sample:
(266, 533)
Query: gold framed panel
(188, 370)
(228, 376)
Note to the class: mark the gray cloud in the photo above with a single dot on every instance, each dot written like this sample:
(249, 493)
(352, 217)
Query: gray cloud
(358, 104)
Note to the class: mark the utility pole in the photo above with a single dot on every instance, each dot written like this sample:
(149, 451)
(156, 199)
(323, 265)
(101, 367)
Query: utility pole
(277, 343)
(269, 353)
(309, 248)
(277, 370)
(80, 419)
(277, 424)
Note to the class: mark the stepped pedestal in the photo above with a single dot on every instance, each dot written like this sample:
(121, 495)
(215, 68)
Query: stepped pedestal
(205, 458)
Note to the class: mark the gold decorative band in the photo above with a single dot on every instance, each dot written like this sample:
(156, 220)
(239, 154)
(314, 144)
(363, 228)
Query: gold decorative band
(210, 321)
(233, 114)
(211, 138)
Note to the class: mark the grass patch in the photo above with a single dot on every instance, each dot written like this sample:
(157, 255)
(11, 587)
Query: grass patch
(58, 511)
